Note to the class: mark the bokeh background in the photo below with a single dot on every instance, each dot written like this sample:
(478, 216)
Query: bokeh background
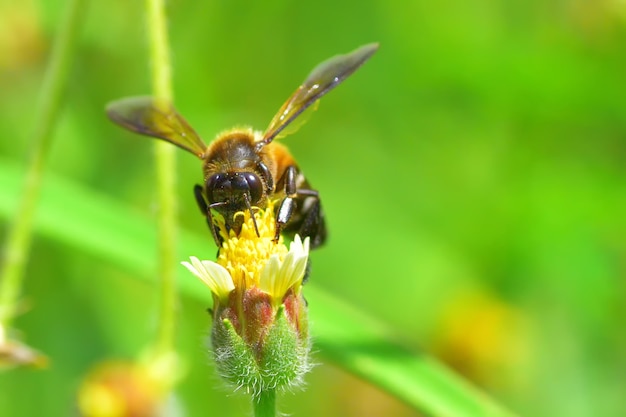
(472, 175)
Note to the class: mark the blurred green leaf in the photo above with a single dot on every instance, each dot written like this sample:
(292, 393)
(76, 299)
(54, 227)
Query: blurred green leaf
(91, 222)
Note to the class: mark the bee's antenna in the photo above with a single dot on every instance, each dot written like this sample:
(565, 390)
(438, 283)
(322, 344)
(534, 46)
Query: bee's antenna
(249, 207)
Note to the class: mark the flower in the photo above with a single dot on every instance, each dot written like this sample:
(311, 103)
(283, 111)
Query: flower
(249, 260)
(260, 322)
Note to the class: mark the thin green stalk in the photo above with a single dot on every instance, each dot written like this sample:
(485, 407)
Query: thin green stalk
(165, 175)
(265, 404)
(19, 236)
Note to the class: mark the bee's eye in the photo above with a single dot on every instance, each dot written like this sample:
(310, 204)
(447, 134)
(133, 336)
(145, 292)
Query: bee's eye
(225, 187)
(255, 187)
(218, 188)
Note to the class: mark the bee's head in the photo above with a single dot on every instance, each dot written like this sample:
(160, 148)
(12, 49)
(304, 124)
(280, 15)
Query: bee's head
(239, 190)
(232, 192)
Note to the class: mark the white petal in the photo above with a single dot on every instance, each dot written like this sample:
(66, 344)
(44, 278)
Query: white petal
(300, 247)
(300, 267)
(278, 277)
(296, 244)
(214, 275)
(267, 280)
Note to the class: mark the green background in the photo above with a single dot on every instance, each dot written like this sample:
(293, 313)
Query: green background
(472, 175)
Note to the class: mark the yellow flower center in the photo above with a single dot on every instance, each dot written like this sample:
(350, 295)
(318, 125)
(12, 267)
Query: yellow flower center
(244, 256)
(254, 260)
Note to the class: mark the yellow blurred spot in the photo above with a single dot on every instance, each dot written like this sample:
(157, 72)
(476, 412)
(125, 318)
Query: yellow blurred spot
(119, 389)
(100, 401)
(21, 42)
(480, 334)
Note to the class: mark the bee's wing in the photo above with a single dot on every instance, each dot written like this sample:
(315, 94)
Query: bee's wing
(320, 81)
(146, 116)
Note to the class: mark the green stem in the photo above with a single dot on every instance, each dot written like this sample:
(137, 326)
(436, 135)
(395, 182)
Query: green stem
(265, 404)
(19, 236)
(165, 177)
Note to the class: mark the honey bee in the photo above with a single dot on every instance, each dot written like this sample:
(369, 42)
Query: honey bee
(242, 168)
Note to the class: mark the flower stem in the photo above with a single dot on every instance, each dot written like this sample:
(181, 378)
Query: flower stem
(265, 404)
(165, 176)
(19, 236)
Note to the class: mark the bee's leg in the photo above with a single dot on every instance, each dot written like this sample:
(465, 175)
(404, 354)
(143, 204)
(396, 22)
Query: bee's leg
(206, 211)
(288, 204)
(197, 192)
(313, 224)
(267, 176)
(307, 271)
(310, 216)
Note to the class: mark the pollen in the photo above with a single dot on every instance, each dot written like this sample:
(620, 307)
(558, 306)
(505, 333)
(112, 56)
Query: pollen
(245, 255)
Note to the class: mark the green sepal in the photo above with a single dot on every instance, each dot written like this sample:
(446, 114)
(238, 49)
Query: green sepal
(234, 359)
(283, 356)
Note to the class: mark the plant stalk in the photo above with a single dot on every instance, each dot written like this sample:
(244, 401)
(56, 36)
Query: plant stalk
(165, 163)
(265, 404)
(19, 237)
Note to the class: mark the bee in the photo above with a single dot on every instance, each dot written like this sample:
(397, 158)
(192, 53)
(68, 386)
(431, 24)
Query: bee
(242, 168)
